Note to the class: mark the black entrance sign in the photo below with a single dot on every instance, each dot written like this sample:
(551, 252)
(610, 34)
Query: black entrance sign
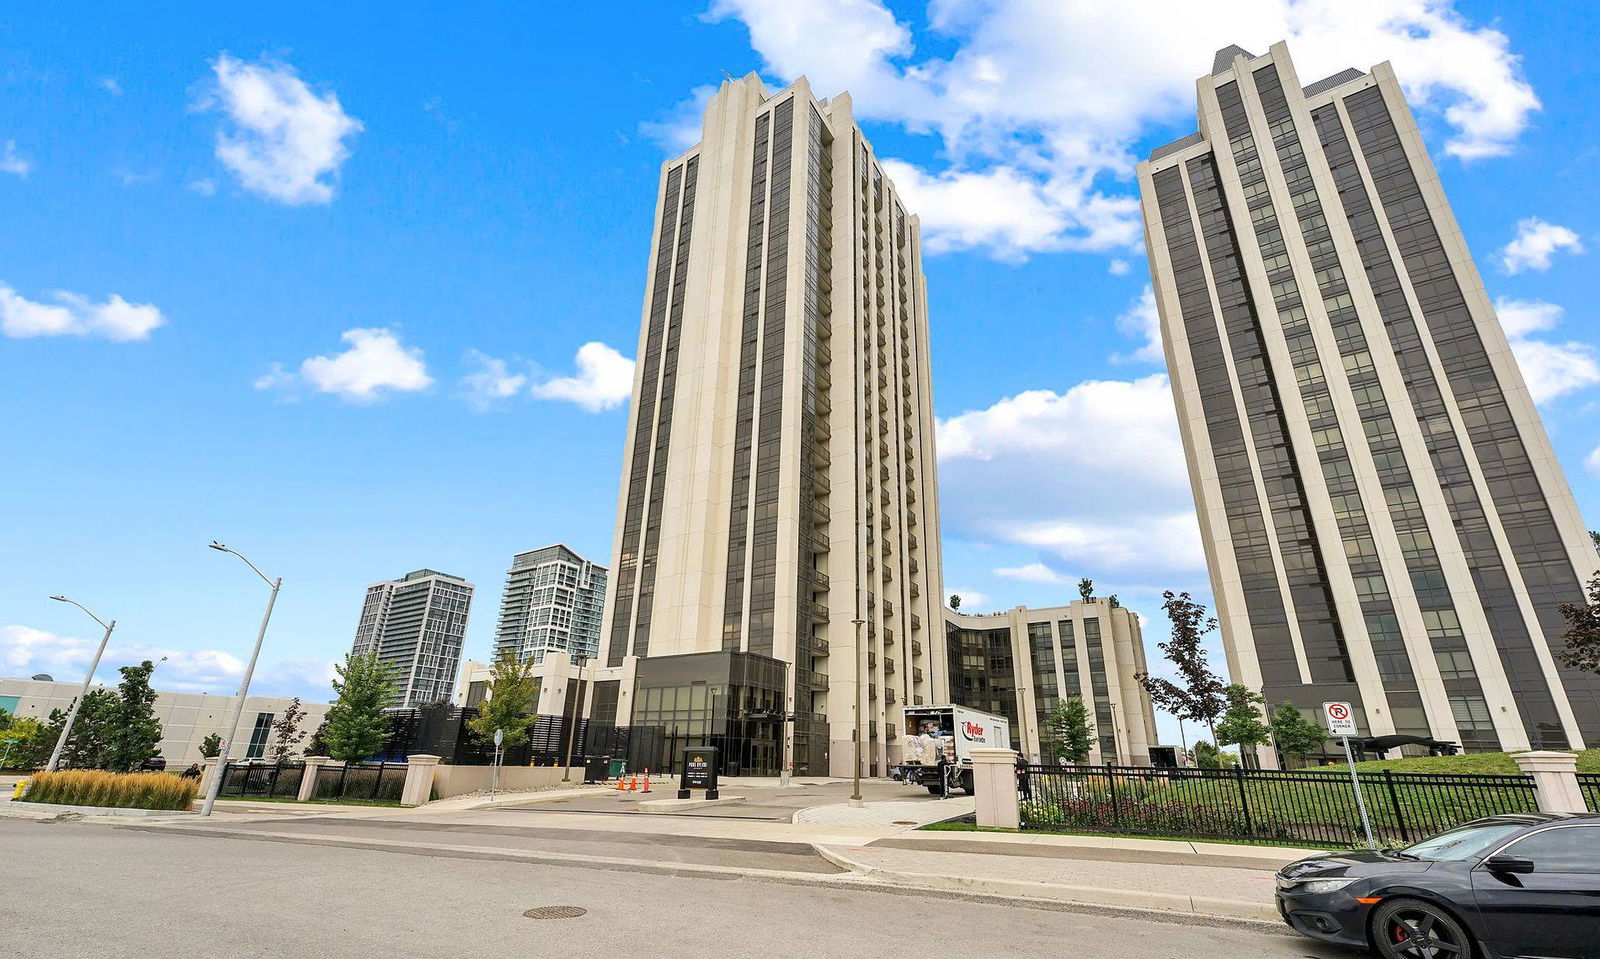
(699, 771)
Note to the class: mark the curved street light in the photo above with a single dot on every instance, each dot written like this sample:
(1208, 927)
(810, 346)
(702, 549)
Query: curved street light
(72, 715)
(221, 770)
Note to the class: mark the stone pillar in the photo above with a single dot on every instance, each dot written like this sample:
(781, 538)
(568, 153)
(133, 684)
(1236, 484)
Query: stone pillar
(419, 779)
(209, 770)
(994, 779)
(308, 781)
(1555, 780)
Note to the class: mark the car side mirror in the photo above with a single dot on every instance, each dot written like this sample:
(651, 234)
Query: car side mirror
(1509, 864)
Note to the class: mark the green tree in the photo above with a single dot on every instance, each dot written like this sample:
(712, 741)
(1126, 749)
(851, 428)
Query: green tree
(286, 731)
(1241, 723)
(1583, 631)
(86, 747)
(134, 733)
(1070, 729)
(1086, 588)
(510, 704)
(211, 746)
(317, 745)
(25, 743)
(1207, 756)
(955, 600)
(356, 724)
(1202, 697)
(1295, 735)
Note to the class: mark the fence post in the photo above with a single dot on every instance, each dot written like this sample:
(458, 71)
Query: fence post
(308, 780)
(1555, 780)
(994, 779)
(1394, 801)
(206, 774)
(1111, 783)
(419, 779)
(1244, 801)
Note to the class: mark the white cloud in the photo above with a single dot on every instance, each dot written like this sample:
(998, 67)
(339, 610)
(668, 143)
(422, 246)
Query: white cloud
(680, 128)
(490, 382)
(1551, 369)
(111, 86)
(1143, 322)
(1535, 243)
(375, 364)
(604, 380)
(1592, 462)
(25, 651)
(205, 186)
(1039, 143)
(1118, 267)
(11, 162)
(1094, 477)
(284, 142)
(972, 601)
(1031, 573)
(73, 314)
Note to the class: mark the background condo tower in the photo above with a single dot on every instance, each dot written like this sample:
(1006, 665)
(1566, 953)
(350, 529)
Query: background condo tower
(553, 600)
(416, 623)
(1383, 515)
(778, 471)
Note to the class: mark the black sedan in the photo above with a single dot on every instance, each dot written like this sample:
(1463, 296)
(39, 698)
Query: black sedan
(1525, 885)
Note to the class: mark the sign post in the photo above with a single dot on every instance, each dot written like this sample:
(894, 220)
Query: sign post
(494, 771)
(1341, 720)
(699, 771)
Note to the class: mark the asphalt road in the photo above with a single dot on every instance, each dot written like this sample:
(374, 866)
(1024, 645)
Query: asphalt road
(79, 890)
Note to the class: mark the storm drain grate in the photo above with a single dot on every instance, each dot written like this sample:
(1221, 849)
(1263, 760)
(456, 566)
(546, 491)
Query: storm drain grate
(556, 912)
(903, 822)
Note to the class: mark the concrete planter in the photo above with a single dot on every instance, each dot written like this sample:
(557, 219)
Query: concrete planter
(97, 810)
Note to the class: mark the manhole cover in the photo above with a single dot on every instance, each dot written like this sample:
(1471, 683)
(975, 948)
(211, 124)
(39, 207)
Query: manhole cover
(903, 822)
(556, 912)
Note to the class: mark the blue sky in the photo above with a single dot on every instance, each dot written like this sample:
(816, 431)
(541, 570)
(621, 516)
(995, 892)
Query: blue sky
(361, 300)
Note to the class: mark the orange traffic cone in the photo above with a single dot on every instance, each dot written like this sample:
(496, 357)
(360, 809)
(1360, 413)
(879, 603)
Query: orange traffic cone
(646, 781)
(633, 784)
(620, 781)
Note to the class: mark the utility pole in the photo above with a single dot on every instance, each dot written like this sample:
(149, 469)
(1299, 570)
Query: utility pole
(861, 678)
(221, 772)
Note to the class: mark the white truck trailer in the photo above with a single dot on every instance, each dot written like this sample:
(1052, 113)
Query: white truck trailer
(939, 743)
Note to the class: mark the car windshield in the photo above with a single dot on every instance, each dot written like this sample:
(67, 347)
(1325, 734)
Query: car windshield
(1463, 842)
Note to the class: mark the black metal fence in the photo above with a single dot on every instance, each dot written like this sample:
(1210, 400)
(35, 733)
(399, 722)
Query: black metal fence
(1589, 785)
(442, 730)
(263, 780)
(1302, 806)
(379, 782)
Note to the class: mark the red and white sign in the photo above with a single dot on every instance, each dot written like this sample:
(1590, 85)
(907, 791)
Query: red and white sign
(1341, 719)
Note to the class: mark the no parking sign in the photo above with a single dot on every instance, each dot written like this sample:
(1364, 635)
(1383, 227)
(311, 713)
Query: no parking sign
(1341, 719)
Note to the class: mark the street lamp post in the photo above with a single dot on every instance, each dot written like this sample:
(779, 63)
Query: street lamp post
(861, 677)
(72, 715)
(577, 713)
(787, 729)
(221, 771)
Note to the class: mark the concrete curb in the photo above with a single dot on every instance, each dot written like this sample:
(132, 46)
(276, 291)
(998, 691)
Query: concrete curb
(51, 810)
(1202, 853)
(1203, 906)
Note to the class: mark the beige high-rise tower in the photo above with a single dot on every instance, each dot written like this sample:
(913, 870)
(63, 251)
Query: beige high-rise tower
(777, 479)
(1384, 518)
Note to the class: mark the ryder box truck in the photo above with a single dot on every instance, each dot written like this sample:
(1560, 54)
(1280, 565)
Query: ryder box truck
(939, 743)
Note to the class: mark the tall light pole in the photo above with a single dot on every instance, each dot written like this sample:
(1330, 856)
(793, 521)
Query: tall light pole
(221, 772)
(577, 713)
(861, 678)
(72, 715)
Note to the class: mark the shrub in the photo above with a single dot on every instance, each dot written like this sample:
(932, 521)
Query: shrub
(94, 787)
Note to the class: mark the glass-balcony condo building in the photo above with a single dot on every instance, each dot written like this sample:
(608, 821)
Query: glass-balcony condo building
(777, 478)
(553, 602)
(416, 624)
(1384, 519)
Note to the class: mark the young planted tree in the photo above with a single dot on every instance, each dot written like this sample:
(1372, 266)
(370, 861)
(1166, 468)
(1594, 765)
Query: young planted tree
(317, 745)
(1295, 735)
(1086, 588)
(1070, 729)
(211, 746)
(356, 723)
(1241, 723)
(1583, 631)
(512, 687)
(1207, 756)
(133, 732)
(286, 732)
(955, 601)
(1202, 696)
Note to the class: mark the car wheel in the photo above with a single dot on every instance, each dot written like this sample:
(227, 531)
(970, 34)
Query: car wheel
(1413, 929)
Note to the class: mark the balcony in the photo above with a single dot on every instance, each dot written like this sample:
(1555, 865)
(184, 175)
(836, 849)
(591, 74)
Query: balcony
(916, 650)
(820, 513)
(820, 457)
(818, 579)
(916, 621)
(872, 659)
(911, 540)
(819, 646)
(913, 566)
(915, 589)
(888, 667)
(888, 694)
(888, 610)
(916, 674)
(817, 612)
(872, 692)
(820, 542)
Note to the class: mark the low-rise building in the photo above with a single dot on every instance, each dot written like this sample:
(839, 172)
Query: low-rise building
(186, 718)
(1020, 663)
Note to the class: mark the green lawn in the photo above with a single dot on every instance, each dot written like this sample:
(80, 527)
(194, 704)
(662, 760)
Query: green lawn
(1463, 765)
